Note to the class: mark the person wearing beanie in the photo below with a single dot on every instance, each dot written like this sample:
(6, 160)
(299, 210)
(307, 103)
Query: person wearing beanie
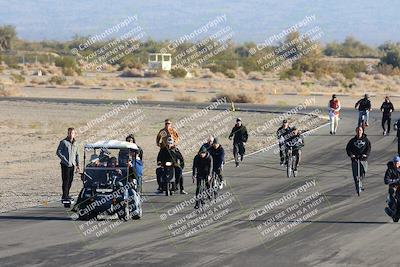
(387, 109)
(218, 154)
(392, 179)
(240, 136)
(202, 166)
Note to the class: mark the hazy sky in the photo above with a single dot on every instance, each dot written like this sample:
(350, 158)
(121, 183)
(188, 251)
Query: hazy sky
(371, 21)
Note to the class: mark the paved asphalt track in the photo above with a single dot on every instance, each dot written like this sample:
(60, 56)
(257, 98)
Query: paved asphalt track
(334, 227)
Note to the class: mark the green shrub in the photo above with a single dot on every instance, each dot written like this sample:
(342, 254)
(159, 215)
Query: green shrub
(68, 65)
(290, 74)
(17, 78)
(178, 72)
(68, 71)
(250, 64)
(59, 80)
(348, 72)
(392, 57)
(65, 62)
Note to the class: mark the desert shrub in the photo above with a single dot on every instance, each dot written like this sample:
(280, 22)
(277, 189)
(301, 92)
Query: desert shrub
(230, 74)
(358, 66)
(131, 73)
(348, 72)
(65, 62)
(128, 62)
(392, 57)
(178, 72)
(291, 73)
(236, 98)
(386, 69)
(17, 78)
(222, 66)
(350, 48)
(250, 64)
(79, 82)
(255, 75)
(68, 72)
(68, 65)
(59, 80)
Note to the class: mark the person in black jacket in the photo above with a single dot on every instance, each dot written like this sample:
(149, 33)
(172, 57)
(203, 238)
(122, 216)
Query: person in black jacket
(359, 148)
(171, 153)
(282, 134)
(240, 136)
(202, 166)
(296, 142)
(218, 154)
(397, 128)
(387, 109)
(364, 107)
(392, 179)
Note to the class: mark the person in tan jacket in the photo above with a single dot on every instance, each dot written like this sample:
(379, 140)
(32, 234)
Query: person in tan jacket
(164, 133)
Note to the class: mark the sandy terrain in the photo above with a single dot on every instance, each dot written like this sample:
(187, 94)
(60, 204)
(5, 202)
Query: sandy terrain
(30, 133)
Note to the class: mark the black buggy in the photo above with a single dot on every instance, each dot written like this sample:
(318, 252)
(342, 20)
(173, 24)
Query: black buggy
(109, 182)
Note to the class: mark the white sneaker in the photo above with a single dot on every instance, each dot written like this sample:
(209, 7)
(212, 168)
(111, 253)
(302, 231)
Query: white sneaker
(221, 185)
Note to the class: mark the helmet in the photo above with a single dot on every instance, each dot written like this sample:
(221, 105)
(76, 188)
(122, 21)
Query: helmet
(170, 141)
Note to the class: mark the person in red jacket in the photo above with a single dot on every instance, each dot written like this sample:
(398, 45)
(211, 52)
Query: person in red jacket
(333, 109)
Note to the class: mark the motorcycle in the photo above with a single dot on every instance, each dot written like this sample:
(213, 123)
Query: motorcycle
(168, 178)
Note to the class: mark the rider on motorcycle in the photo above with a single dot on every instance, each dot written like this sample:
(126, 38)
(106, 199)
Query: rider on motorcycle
(364, 107)
(296, 142)
(359, 148)
(282, 134)
(392, 179)
(170, 153)
(202, 166)
(218, 154)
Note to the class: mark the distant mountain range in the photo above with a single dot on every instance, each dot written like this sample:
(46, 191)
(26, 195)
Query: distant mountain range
(370, 21)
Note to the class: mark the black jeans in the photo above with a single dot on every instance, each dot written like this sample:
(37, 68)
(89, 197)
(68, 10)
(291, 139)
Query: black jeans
(238, 148)
(386, 119)
(198, 183)
(218, 172)
(67, 175)
(282, 152)
(398, 146)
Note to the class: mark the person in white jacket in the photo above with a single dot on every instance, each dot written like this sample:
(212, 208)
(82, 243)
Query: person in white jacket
(333, 110)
